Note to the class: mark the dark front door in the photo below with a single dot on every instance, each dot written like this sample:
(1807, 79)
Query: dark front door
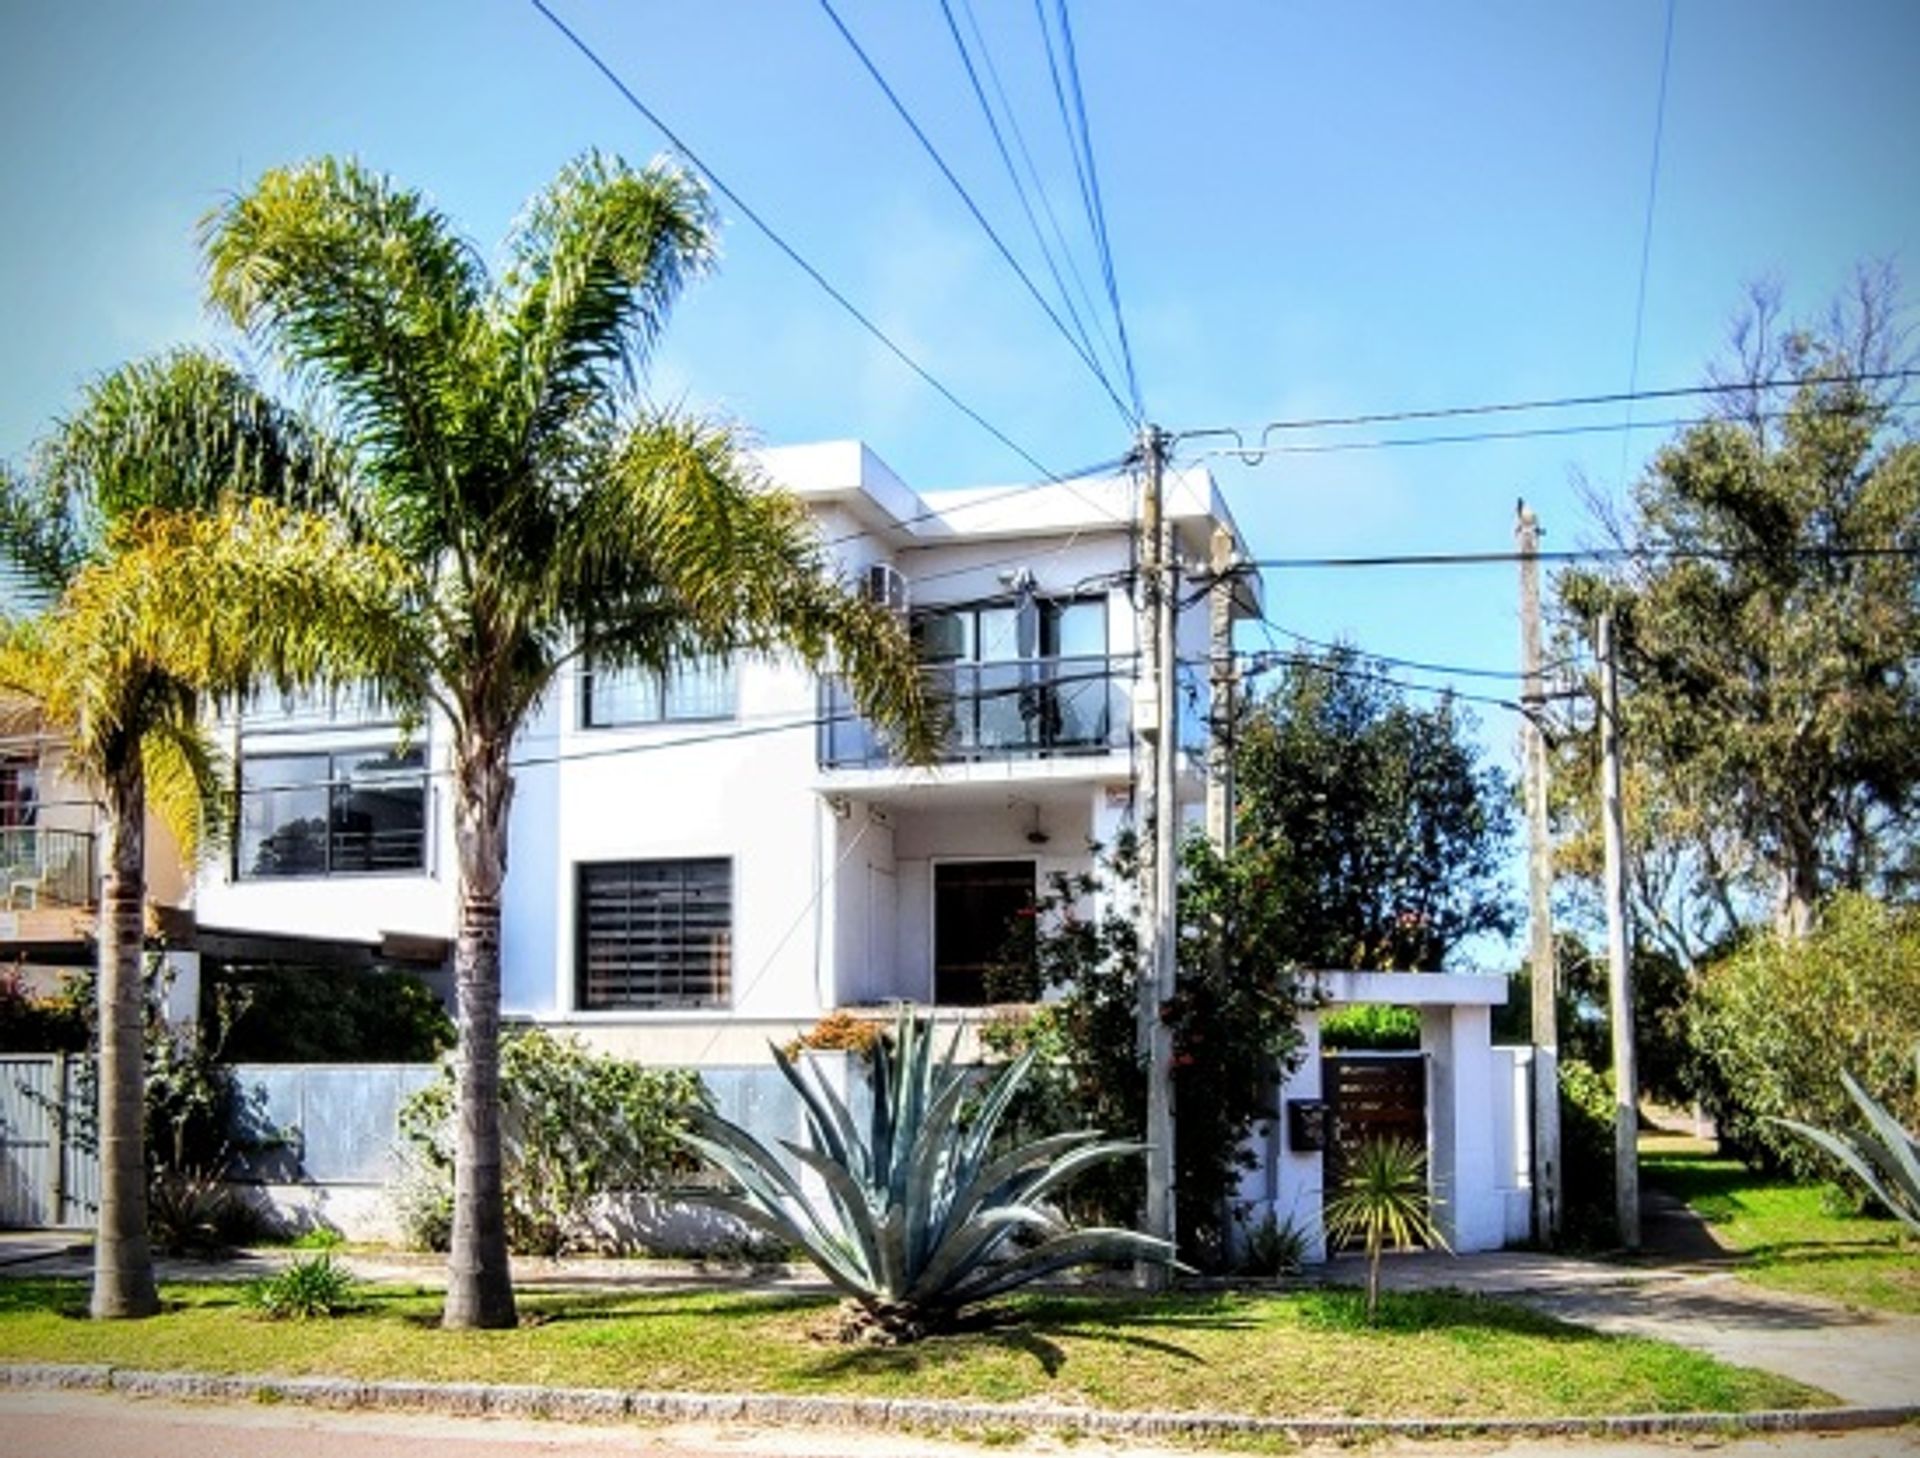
(1371, 1097)
(975, 906)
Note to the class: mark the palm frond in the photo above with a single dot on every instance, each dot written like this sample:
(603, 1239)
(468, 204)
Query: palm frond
(363, 287)
(598, 258)
(683, 547)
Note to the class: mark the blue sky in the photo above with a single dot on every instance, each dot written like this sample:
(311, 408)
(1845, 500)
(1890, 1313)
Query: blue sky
(1314, 208)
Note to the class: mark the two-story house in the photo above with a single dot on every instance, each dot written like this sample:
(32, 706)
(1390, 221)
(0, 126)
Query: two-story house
(702, 861)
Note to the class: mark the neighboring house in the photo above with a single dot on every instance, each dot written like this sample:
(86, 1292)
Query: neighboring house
(52, 846)
(701, 862)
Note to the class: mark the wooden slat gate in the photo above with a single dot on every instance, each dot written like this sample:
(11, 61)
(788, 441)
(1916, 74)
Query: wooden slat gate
(1371, 1096)
(49, 1165)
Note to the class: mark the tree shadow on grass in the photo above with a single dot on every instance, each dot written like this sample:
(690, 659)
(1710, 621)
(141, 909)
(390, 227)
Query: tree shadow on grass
(1032, 1333)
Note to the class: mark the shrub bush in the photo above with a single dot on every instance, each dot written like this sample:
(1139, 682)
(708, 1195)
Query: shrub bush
(1370, 1025)
(576, 1125)
(316, 1286)
(1588, 1220)
(1775, 1025)
(328, 1015)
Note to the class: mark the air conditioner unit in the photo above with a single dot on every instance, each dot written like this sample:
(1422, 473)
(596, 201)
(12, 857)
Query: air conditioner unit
(884, 585)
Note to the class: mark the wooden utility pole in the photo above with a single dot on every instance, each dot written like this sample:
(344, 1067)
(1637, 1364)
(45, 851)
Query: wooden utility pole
(1626, 1082)
(1225, 681)
(1547, 1183)
(1157, 720)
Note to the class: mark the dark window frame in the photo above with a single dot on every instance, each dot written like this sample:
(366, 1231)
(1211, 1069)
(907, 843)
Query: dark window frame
(341, 783)
(698, 973)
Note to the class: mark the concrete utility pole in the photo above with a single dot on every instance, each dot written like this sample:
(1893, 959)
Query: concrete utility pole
(1156, 721)
(1626, 1081)
(1225, 681)
(1547, 1182)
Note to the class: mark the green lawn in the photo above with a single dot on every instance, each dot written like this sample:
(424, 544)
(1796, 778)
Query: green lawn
(1297, 1354)
(1791, 1237)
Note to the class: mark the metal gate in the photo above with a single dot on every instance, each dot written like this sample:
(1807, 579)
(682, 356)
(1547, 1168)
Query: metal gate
(49, 1162)
(1371, 1096)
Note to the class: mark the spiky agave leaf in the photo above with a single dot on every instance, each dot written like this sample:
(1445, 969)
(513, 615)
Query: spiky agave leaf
(1885, 1156)
(919, 1217)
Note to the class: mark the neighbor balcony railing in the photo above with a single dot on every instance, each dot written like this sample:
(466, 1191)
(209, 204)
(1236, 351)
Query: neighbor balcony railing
(46, 867)
(1025, 709)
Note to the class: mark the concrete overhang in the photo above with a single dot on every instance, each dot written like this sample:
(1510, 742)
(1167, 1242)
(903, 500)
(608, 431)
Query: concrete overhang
(1414, 989)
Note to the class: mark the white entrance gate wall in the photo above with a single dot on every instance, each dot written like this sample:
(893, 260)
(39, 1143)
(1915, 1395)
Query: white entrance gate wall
(1477, 1121)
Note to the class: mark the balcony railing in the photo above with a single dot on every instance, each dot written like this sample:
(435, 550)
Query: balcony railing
(44, 867)
(1027, 709)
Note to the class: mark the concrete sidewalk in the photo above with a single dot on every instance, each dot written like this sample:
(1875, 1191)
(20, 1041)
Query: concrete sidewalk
(1868, 1358)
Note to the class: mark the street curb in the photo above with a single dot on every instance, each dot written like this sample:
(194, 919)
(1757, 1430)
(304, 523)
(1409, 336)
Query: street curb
(601, 1404)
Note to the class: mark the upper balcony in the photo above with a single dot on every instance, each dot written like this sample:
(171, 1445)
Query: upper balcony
(1037, 709)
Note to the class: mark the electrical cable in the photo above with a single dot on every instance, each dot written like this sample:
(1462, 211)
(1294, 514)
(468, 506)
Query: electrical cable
(933, 152)
(1589, 555)
(627, 93)
(1088, 195)
(1510, 407)
(1099, 206)
(1013, 173)
(1646, 238)
(1039, 187)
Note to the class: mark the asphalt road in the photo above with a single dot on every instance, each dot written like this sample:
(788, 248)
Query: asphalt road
(87, 1425)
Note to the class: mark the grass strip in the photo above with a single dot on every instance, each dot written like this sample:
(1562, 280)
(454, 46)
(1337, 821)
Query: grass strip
(1305, 1354)
(1793, 1237)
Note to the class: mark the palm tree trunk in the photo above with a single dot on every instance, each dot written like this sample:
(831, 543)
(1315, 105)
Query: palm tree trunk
(123, 1283)
(479, 1284)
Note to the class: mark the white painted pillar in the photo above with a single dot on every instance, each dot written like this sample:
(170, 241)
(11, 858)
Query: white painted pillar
(1299, 1174)
(1458, 1042)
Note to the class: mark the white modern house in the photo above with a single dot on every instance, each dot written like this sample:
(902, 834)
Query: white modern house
(703, 862)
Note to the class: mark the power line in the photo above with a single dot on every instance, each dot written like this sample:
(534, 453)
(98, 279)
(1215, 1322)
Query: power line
(1033, 176)
(793, 254)
(1512, 407)
(1257, 456)
(1263, 660)
(1590, 555)
(1079, 143)
(1013, 172)
(1414, 663)
(1646, 233)
(933, 152)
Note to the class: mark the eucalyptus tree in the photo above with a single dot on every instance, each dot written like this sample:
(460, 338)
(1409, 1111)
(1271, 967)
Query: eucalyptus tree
(1769, 604)
(156, 585)
(543, 510)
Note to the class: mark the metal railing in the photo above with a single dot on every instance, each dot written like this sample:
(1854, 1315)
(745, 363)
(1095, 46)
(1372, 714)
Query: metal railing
(46, 867)
(1025, 709)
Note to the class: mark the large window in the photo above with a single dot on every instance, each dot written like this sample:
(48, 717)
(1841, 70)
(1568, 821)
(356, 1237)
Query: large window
(336, 813)
(654, 934)
(614, 698)
(1025, 676)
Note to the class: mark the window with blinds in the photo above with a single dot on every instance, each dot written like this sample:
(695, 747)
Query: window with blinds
(655, 934)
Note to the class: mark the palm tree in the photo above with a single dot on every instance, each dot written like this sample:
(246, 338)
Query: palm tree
(163, 589)
(542, 509)
(1384, 1201)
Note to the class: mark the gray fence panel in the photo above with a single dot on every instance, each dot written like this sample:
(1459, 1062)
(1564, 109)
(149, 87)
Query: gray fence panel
(340, 1122)
(49, 1169)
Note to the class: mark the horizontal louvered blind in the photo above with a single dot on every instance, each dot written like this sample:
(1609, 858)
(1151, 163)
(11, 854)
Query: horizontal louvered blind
(655, 933)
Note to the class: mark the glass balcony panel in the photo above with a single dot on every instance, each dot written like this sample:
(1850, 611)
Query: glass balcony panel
(1027, 708)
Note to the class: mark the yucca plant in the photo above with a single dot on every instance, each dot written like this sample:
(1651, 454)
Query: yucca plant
(1885, 1156)
(1383, 1201)
(921, 1217)
(304, 1289)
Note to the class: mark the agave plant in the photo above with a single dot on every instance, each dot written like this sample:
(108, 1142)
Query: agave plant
(1384, 1201)
(922, 1217)
(1885, 1156)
